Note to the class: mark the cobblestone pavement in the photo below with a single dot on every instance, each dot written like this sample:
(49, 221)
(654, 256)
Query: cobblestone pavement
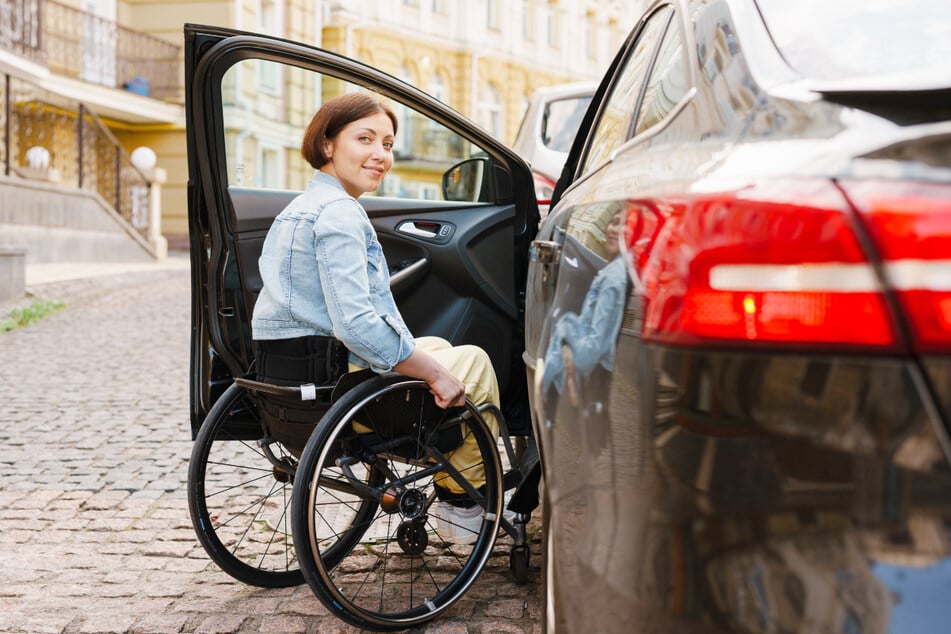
(94, 528)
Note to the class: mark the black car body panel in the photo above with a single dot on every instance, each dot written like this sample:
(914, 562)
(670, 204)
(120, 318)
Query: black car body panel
(757, 483)
(457, 266)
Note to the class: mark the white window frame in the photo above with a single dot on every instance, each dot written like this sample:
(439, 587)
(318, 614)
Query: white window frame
(492, 19)
(551, 24)
(490, 109)
(428, 191)
(528, 20)
(279, 163)
(270, 21)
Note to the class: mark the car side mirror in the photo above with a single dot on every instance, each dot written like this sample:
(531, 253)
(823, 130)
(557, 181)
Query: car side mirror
(465, 181)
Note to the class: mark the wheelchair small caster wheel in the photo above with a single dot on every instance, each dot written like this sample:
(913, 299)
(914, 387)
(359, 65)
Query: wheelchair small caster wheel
(412, 537)
(518, 563)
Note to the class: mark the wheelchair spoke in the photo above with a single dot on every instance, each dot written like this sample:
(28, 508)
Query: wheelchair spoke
(243, 467)
(340, 483)
(239, 500)
(239, 485)
(257, 505)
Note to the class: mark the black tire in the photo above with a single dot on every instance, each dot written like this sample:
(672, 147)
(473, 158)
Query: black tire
(238, 500)
(364, 575)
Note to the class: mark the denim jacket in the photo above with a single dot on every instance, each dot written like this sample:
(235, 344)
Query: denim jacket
(592, 334)
(324, 273)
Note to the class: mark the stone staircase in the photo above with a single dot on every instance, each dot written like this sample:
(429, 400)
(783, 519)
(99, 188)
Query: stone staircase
(42, 222)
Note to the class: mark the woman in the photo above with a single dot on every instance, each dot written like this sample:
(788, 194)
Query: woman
(582, 345)
(324, 275)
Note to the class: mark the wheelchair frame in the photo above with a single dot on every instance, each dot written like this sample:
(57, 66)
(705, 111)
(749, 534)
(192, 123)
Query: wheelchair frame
(383, 494)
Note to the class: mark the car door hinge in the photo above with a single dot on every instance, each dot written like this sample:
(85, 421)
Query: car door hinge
(544, 251)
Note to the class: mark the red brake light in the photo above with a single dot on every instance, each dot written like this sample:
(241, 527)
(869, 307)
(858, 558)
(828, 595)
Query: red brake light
(778, 263)
(910, 224)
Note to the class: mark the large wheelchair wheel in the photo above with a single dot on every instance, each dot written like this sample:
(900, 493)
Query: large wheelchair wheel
(387, 442)
(239, 499)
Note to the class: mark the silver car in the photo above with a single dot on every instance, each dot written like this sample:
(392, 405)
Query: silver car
(548, 129)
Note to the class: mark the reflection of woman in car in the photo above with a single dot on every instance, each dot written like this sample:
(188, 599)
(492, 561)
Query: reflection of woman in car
(582, 344)
(325, 278)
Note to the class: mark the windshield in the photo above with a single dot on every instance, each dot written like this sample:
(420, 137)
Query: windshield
(848, 39)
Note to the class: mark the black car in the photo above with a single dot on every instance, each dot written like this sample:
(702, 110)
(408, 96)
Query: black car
(739, 326)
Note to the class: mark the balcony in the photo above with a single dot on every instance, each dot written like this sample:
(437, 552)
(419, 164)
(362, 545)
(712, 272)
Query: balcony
(80, 45)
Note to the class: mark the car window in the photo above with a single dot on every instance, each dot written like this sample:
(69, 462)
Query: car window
(263, 133)
(668, 81)
(614, 123)
(561, 121)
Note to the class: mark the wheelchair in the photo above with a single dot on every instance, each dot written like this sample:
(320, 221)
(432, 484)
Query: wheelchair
(347, 486)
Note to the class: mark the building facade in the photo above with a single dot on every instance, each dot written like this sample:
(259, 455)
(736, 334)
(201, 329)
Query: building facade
(119, 63)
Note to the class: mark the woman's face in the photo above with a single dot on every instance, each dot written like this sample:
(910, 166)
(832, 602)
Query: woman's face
(611, 234)
(361, 154)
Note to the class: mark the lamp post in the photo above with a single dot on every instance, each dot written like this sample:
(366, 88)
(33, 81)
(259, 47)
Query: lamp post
(145, 160)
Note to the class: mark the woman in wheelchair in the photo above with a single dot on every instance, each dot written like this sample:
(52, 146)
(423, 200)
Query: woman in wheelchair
(324, 275)
(390, 442)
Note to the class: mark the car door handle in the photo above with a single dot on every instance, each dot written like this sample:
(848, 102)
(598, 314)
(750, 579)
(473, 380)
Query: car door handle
(426, 229)
(413, 230)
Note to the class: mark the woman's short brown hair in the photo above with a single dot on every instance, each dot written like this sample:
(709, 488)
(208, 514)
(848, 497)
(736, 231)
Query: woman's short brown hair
(332, 117)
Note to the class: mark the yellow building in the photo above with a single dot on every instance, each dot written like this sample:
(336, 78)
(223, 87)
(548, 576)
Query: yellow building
(119, 63)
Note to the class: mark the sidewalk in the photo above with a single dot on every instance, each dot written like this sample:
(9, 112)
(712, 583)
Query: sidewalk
(69, 282)
(95, 533)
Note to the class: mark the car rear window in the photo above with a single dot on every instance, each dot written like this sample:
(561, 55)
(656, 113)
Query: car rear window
(849, 39)
(562, 120)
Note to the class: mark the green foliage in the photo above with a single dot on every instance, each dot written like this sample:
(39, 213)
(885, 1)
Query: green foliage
(39, 309)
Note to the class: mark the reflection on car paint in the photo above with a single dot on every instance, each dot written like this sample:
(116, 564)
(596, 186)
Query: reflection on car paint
(582, 343)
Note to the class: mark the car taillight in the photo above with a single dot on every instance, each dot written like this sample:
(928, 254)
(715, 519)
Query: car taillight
(910, 225)
(544, 188)
(778, 263)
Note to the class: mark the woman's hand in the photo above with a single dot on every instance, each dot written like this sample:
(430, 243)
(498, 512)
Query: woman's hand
(446, 388)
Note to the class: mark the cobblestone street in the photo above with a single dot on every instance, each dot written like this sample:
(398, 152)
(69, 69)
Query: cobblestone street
(94, 526)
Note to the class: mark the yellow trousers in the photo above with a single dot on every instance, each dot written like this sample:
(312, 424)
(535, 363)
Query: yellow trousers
(472, 366)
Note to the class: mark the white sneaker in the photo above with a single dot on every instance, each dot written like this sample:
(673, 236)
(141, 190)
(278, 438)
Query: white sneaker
(506, 513)
(458, 525)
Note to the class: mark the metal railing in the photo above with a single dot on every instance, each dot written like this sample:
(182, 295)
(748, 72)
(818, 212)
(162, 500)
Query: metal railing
(47, 137)
(82, 45)
(105, 167)
(20, 31)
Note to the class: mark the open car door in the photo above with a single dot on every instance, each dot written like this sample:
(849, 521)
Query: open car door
(455, 215)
